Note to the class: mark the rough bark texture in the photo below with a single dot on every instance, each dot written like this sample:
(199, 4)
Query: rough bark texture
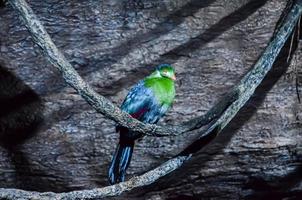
(113, 44)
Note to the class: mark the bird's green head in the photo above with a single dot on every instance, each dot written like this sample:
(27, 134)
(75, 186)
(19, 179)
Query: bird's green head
(166, 70)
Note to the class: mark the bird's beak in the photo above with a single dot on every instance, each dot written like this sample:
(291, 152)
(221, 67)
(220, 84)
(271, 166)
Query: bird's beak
(173, 77)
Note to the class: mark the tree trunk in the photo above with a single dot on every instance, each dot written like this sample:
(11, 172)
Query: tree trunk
(52, 140)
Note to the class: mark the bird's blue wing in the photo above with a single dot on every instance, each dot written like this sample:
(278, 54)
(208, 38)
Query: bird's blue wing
(138, 101)
(141, 104)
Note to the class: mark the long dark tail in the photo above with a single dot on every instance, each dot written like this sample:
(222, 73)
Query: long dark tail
(120, 161)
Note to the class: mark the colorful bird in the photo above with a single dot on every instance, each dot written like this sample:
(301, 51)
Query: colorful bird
(147, 101)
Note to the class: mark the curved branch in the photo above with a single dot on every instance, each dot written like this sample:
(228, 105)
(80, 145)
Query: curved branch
(99, 102)
(113, 190)
(229, 108)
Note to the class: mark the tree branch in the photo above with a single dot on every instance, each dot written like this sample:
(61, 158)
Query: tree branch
(234, 101)
(113, 190)
(99, 102)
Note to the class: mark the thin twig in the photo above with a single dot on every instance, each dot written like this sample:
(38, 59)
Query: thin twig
(243, 91)
(291, 46)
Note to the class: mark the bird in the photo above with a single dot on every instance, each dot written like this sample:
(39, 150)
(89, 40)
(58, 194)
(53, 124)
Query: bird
(147, 101)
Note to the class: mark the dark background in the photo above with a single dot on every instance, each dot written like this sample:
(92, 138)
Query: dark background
(52, 140)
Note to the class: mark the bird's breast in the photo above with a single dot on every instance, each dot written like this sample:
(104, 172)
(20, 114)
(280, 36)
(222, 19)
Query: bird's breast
(163, 90)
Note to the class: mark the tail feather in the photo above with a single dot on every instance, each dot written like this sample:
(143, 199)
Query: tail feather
(120, 162)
